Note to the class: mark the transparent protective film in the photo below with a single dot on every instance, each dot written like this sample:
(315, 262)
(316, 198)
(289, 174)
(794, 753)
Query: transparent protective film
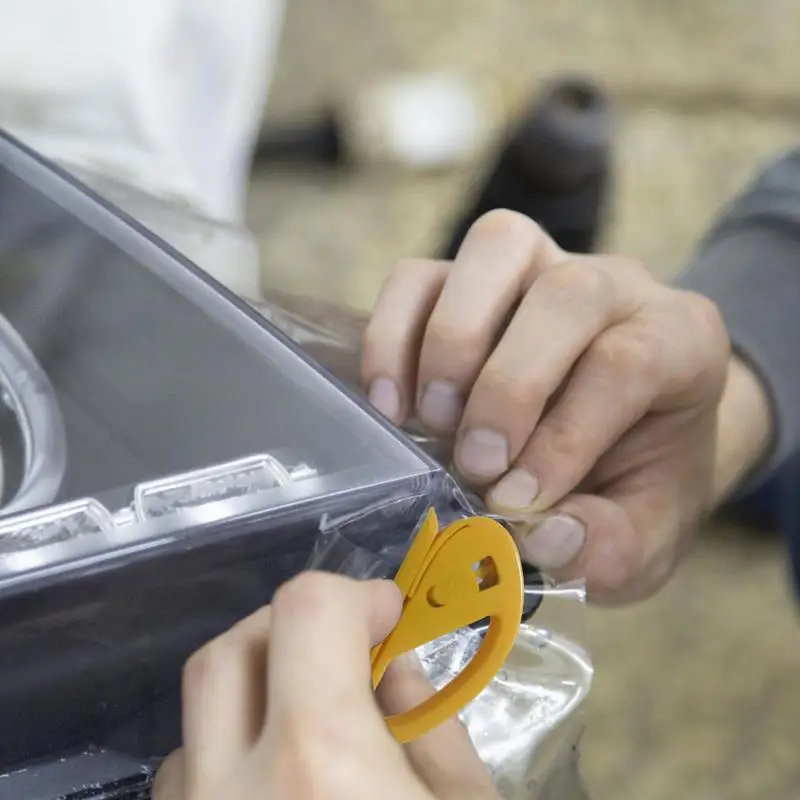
(331, 334)
(372, 542)
(527, 723)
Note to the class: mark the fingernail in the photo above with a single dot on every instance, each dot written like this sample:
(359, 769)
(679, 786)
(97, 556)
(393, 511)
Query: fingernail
(555, 542)
(516, 491)
(483, 453)
(440, 406)
(384, 397)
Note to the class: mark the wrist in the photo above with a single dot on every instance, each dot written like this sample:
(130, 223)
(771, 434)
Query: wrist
(745, 430)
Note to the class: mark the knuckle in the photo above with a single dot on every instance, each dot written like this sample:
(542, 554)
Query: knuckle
(632, 269)
(579, 277)
(304, 592)
(707, 316)
(563, 440)
(710, 342)
(502, 223)
(460, 339)
(514, 393)
(703, 309)
(636, 351)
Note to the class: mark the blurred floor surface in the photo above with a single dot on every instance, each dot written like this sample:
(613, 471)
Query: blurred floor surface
(697, 695)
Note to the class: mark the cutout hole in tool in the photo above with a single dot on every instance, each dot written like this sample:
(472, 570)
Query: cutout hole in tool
(483, 576)
(486, 573)
(442, 660)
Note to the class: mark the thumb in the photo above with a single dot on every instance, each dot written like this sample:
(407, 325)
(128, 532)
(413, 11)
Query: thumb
(624, 544)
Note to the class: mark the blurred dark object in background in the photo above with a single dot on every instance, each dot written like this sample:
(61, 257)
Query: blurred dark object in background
(425, 121)
(554, 167)
(318, 141)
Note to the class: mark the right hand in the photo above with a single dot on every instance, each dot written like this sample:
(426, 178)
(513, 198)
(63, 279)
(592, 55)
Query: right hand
(584, 397)
(281, 707)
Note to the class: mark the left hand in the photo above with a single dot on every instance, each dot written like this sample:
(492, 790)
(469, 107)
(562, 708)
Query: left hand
(281, 707)
(582, 393)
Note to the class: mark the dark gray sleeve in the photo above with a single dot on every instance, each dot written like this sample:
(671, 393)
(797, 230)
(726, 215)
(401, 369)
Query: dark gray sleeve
(750, 266)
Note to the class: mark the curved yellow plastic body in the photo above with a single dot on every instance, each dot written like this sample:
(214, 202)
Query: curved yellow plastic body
(450, 579)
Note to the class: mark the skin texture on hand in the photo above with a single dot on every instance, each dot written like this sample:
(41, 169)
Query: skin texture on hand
(281, 707)
(583, 396)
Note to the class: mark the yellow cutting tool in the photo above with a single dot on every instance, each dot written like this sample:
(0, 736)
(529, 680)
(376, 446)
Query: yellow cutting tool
(450, 579)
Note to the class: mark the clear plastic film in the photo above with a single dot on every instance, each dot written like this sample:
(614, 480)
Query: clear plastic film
(526, 724)
(331, 334)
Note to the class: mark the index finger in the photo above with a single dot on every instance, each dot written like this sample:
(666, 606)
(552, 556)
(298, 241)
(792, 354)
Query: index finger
(323, 628)
(393, 337)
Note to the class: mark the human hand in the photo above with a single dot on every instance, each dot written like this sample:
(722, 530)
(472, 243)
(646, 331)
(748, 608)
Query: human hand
(281, 707)
(582, 393)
